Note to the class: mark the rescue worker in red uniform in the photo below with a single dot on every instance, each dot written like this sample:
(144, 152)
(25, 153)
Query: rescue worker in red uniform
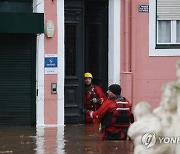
(94, 97)
(115, 115)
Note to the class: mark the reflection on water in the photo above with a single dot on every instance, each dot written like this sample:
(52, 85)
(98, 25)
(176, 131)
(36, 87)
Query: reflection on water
(71, 139)
(86, 139)
(50, 140)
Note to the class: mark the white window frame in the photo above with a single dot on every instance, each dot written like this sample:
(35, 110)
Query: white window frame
(152, 35)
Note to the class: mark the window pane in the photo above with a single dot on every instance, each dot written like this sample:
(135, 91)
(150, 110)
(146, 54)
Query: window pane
(164, 31)
(16, 6)
(70, 50)
(178, 31)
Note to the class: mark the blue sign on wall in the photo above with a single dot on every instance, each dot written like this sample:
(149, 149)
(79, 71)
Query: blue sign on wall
(50, 62)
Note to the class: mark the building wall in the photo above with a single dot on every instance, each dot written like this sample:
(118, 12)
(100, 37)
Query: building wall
(142, 75)
(50, 107)
(46, 102)
(50, 103)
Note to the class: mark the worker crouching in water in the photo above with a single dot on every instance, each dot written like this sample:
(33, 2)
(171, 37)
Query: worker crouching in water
(115, 115)
(94, 97)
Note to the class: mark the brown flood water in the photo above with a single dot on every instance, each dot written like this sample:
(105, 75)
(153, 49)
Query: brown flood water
(71, 139)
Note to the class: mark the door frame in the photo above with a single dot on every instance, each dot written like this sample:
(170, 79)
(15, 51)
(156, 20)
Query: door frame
(113, 56)
(114, 41)
(38, 7)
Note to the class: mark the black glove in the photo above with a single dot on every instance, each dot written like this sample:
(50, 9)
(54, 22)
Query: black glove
(84, 111)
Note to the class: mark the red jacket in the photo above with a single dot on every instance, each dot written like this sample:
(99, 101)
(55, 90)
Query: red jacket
(97, 92)
(108, 106)
(90, 93)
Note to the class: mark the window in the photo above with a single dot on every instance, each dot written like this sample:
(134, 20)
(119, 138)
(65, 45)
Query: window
(16, 6)
(164, 28)
(168, 17)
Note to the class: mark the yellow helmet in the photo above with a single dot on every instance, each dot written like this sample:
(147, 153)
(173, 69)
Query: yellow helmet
(88, 75)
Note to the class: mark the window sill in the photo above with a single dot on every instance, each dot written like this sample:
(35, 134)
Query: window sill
(167, 46)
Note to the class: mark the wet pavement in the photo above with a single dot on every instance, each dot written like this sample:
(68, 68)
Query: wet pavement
(71, 139)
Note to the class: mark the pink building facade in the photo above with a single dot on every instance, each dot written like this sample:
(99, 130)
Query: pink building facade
(133, 59)
(144, 68)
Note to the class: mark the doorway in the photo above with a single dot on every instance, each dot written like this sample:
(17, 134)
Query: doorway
(86, 49)
(18, 80)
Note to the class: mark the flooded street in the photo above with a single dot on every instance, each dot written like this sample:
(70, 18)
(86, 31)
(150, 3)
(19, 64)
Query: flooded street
(71, 139)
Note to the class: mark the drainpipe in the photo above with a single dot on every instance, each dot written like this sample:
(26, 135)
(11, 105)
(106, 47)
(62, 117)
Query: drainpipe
(127, 36)
(127, 74)
(133, 47)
